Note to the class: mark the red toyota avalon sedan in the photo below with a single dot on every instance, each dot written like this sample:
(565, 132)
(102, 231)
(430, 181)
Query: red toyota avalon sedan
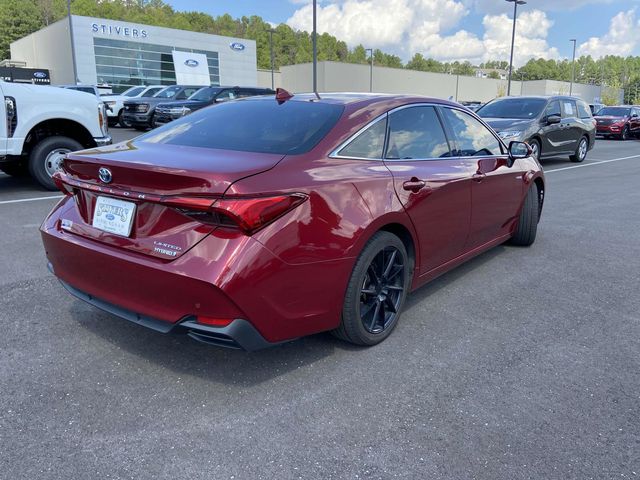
(265, 219)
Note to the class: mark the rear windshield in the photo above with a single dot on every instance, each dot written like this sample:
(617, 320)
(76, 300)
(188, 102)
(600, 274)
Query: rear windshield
(133, 91)
(513, 108)
(614, 112)
(262, 126)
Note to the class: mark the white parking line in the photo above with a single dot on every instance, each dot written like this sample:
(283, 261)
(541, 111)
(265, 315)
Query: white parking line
(34, 199)
(591, 164)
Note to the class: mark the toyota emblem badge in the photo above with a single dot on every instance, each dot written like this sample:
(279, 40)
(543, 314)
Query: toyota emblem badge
(104, 174)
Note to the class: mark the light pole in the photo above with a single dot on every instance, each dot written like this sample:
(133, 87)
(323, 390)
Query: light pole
(573, 66)
(315, 50)
(73, 48)
(271, 32)
(370, 50)
(513, 38)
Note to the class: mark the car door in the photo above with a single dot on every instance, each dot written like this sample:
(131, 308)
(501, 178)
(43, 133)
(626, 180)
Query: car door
(552, 133)
(434, 188)
(570, 125)
(496, 187)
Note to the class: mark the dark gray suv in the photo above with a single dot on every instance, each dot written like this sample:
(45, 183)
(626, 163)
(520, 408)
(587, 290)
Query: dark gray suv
(553, 126)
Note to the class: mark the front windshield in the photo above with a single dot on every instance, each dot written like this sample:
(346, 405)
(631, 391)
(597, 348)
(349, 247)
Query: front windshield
(513, 108)
(205, 94)
(613, 112)
(168, 92)
(133, 91)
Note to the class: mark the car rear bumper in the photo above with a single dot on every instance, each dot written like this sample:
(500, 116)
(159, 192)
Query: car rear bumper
(226, 276)
(238, 334)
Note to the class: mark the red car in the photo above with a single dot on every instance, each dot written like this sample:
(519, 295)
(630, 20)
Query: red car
(622, 122)
(263, 220)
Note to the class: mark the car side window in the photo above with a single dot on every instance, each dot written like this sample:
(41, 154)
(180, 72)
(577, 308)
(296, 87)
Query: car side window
(584, 112)
(369, 144)
(416, 133)
(226, 95)
(569, 108)
(152, 91)
(472, 137)
(186, 93)
(553, 109)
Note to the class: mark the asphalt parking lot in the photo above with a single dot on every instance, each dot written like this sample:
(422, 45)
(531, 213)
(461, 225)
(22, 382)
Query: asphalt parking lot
(522, 364)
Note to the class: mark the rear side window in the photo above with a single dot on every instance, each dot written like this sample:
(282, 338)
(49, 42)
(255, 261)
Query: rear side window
(369, 144)
(583, 111)
(472, 137)
(416, 133)
(259, 125)
(569, 108)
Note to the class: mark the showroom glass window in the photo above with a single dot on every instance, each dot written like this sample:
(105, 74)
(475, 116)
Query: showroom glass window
(472, 137)
(124, 64)
(416, 133)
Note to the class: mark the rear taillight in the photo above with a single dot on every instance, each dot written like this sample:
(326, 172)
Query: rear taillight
(247, 213)
(63, 187)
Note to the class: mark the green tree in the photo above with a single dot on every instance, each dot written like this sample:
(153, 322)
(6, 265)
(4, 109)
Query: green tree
(18, 18)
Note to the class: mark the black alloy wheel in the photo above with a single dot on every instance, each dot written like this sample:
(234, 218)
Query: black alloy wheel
(382, 290)
(376, 291)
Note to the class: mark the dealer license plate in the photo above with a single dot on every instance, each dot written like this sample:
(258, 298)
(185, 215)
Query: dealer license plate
(114, 216)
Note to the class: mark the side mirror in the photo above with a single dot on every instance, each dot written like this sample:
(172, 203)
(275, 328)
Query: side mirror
(519, 150)
(634, 115)
(552, 119)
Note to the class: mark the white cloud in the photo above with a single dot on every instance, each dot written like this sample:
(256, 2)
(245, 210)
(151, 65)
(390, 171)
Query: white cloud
(621, 39)
(532, 28)
(406, 27)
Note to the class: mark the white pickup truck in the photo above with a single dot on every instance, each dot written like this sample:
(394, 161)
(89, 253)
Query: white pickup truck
(39, 125)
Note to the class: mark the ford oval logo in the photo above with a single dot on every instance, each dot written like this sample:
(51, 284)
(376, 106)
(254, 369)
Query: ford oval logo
(238, 47)
(110, 216)
(191, 63)
(104, 174)
(39, 75)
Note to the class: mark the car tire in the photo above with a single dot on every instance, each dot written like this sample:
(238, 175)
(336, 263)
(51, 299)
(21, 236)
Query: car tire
(379, 283)
(121, 120)
(46, 157)
(624, 136)
(140, 128)
(112, 122)
(581, 151)
(15, 169)
(535, 147)
(527, 228)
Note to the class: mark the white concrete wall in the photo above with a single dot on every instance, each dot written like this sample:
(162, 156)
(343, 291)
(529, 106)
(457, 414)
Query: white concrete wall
(48, 48)
(345, 77)
(335, 77)
(264, 79)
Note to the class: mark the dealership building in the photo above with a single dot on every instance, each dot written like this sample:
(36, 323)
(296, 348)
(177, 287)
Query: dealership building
(124, 54)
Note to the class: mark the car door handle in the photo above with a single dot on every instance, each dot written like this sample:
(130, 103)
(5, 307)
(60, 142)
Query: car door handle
(414, 185)
(478, 177)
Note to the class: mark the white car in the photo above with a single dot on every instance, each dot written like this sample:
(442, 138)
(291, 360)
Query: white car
(115, 102)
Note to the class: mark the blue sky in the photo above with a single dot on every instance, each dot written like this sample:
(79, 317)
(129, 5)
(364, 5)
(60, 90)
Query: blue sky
(473, 30)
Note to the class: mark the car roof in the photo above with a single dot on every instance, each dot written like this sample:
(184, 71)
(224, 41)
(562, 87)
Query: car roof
(358, 99)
